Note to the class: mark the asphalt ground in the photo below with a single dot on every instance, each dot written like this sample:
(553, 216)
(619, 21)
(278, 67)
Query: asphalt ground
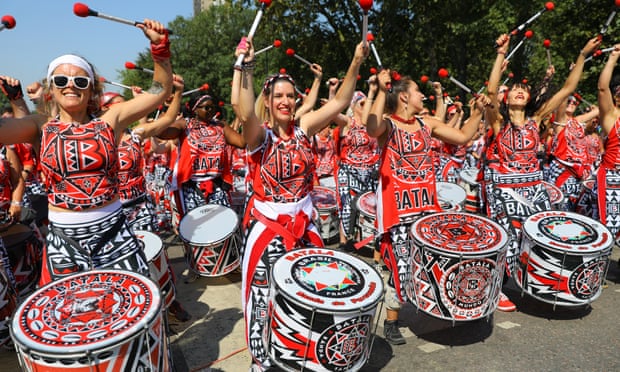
(536, 337)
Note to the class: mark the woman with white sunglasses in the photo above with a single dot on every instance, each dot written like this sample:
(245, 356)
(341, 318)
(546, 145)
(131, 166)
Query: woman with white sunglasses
(78, 153)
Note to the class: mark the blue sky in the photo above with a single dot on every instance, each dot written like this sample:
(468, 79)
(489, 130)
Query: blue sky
(46, 29)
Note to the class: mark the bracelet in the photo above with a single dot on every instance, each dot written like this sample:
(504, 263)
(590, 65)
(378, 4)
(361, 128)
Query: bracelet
(502, 53)
(583, 54)
(16, 203)
(249, 66)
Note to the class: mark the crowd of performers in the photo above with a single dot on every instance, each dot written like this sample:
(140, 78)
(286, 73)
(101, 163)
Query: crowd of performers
(81, 176)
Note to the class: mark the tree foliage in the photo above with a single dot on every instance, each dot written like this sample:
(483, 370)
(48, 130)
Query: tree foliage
(413, 37)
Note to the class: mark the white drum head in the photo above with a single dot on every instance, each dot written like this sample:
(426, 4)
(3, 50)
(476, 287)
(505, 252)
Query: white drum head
(208, 224)
(327, 279)
(328, 182)
(323, 198)
(367, 203)
(568, 232)
(152, 243)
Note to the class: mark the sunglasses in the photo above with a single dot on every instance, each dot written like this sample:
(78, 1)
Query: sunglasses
(62, 81)
(573, 102)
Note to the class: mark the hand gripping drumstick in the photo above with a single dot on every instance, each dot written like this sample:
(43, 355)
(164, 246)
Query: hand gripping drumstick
(105, 81)
(370, 37)
(599, 53)
(528, 35)
(7, 22)
(204, 86)
(132, 66)
(259, 14)
(276, 44)
(291, 53)
(82, 10)
(609, 19)
(365, 5)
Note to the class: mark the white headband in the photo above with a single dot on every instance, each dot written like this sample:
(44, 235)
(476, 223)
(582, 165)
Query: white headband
(70, 59)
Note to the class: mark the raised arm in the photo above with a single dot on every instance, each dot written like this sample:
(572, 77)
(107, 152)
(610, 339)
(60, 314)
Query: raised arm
(607, 109)
(571, 81)
(12, 89)
(314, 121)
(313, 95)
(242, 96)
(376, 125)
(121, 115)
(157, 126)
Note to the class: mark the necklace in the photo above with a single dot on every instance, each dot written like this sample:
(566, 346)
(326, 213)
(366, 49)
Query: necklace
(405, 121)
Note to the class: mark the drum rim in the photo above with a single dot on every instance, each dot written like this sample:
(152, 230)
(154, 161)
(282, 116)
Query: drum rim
(596, 225)
(153, 313)
(212, 242)
(282, 262)
(160, 245)
(455, 254)
(359, 206)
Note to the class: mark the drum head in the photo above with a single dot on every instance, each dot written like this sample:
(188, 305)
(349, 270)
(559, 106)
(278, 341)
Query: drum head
(458, 234)
(152, 243)
(323, 197)
(208, 224)
(469, 175)
(85, 312)
(329, 182)
(451, 192)
(367, 203)
(568, 232)
(328, 280)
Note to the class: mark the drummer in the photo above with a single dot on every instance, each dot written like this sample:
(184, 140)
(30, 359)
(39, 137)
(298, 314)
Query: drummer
(280, 210)
(406, 188)
(87, 229)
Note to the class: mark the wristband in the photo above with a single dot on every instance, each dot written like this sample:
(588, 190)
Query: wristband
(16, 203)
(161, 51)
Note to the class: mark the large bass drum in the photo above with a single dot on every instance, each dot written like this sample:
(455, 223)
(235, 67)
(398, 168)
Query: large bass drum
(92, 321)
(322, 307)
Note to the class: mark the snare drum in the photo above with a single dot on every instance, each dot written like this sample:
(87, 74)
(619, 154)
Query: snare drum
(451, 197)
(458, 265)
(322, 308)
(92, 321)
(556, 196)
(24, 253)
(564, 258)
(329, 182)
(159, 270)
(211, 240)
(366, 204)
(471, 186)
(324, 200)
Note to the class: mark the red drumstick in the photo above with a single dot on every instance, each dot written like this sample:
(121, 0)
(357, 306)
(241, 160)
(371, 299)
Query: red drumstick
(547, 45)
(291, 53)
(276, 44)
(443, 73)
(132, 66)
(106, 81)
(7, 22)
(204, 86)
(609, 19)
(259, 14)
(549, 6)
(82, 10)
(528, 35)
(365, 5)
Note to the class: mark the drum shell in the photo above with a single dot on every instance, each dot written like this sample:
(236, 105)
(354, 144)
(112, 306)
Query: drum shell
(52, 333)
(472, 189)
(159, 271)
(9, 303)
(457, 277)
(324, 200)
(315, 318)
(366, 205)
(555, 270)
(217, 253)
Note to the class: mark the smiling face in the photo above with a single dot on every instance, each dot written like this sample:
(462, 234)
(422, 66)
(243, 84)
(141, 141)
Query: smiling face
(281, 102)
(71, 98)
(518, 96)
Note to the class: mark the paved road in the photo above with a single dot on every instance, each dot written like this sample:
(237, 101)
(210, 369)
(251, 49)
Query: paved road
(535, 338)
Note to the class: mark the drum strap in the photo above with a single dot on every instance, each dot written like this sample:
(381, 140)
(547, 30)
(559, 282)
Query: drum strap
(290, 228)
(107, 235)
